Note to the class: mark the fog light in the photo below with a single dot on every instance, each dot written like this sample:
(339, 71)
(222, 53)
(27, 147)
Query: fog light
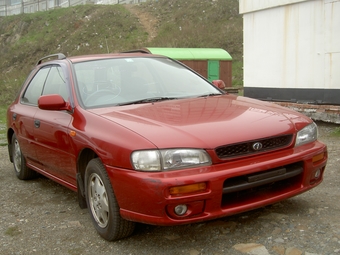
(317, 174)
(180, 210)
(316, 177)
(187, 210)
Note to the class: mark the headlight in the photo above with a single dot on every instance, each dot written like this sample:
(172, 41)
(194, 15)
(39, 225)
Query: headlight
(307, 134)
(170, 159)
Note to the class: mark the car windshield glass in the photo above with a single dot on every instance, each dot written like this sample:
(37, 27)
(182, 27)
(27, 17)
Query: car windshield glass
(123, 81)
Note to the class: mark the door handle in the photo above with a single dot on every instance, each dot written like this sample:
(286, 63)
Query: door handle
(37, 123)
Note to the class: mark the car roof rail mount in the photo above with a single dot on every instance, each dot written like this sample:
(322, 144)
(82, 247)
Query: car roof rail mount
(58, 55)
(137, 51)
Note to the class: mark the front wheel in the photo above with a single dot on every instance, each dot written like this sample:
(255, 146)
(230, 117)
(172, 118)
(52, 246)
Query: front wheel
(19, 162)
(102, 204)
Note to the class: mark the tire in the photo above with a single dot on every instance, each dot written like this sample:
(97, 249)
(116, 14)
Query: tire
(102, 204)
(19, 162)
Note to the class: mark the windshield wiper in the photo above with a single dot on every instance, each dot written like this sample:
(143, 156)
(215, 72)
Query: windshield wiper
(148, 100)
(210, 95)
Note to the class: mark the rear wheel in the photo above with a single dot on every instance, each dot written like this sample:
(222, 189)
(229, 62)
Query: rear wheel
(102, 204)
(19, 162)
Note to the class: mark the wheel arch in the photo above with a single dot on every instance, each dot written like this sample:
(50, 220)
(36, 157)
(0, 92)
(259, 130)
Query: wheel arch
(83, 159)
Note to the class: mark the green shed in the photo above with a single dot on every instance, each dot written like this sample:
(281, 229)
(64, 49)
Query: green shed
(212, 63)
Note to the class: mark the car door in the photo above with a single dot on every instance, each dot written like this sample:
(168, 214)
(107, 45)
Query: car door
(53, 144)
(23, 116)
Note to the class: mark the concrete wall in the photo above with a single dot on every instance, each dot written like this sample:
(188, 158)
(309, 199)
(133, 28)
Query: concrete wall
(292, 50)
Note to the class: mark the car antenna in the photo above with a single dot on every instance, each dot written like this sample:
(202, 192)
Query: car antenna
(107, 46)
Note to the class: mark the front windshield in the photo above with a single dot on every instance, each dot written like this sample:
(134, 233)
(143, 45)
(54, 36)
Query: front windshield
(122, 81)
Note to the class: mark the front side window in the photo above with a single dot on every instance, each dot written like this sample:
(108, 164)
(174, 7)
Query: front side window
(56, 83)
(35, 87)
(48, 80)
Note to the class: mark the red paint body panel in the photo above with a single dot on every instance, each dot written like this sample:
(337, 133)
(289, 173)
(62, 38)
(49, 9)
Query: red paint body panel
(59, 144)
(153, 196)
(204, 122)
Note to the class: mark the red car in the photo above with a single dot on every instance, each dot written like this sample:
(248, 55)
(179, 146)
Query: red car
(143, 138)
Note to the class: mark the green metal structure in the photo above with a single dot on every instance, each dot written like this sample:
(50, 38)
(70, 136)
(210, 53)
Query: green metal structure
(212, 63)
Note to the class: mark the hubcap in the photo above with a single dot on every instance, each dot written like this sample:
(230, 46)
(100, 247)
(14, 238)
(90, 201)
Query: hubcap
(17, 156)
(98, 200)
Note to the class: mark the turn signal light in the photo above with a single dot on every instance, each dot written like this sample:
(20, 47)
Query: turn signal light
(185, 189)
(318, 157)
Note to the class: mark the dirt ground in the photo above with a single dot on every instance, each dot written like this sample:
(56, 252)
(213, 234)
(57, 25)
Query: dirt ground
(147, 21)
(42, 217)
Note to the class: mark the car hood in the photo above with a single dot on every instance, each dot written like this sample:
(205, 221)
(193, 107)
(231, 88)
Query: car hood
(205, 122)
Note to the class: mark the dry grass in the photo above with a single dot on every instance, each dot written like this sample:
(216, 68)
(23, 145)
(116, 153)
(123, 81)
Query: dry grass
(86, 29)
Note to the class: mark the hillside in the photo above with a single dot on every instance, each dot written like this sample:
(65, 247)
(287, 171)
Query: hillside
(87, 29)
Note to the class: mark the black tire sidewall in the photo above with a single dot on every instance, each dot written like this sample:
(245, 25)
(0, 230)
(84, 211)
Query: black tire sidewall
(111, 231)
(22, 172)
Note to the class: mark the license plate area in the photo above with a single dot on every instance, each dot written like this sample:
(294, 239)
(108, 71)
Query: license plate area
(269, 174)
(253, 188)
(246, 182)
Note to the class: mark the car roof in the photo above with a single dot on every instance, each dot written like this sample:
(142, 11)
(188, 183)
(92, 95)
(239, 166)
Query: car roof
(91, 57)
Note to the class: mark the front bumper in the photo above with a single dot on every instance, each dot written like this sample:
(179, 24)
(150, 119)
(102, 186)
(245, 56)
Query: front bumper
(231, 187)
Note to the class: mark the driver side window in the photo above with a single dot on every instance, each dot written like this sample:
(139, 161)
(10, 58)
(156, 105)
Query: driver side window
(56, 83)
(48, 80)
(34, 89)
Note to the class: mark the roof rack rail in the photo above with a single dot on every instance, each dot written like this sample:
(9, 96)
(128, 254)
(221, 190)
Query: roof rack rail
(59, 55)
(137, 51)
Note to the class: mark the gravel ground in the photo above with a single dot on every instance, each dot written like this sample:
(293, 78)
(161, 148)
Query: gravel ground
(42, 217)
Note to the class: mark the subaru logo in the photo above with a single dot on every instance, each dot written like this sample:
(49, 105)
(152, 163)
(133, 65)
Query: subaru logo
(257, 146)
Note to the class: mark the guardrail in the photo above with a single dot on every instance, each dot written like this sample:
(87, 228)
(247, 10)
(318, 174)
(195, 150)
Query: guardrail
(14, 7)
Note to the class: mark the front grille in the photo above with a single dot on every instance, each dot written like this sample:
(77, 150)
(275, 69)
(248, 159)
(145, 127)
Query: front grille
(253, 147)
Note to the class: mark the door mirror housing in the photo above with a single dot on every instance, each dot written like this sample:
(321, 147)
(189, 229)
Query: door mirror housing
(219, 84)
(53, 102)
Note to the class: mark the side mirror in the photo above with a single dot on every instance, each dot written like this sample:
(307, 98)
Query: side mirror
(219, 84)
(53, 102)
